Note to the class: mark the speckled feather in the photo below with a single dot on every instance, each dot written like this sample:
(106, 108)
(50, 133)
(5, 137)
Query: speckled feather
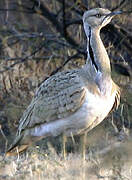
(57, 97)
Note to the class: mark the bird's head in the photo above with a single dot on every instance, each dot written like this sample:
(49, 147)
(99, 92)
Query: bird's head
(98, 18)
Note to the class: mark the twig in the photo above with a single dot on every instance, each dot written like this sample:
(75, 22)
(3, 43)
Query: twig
(26, 58)
(33, 58)
(114, 125)
(109, 148)
(6, 140)
(68, 59)
(15, 10)
(121, 4)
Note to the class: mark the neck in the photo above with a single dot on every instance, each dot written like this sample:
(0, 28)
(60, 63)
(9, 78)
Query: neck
(98, 54)
(99, 59)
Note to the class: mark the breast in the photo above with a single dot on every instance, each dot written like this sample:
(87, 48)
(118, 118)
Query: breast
(94, 110)
(98, 105)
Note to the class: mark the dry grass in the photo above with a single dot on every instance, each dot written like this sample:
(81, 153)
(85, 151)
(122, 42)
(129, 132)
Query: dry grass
(109, 157)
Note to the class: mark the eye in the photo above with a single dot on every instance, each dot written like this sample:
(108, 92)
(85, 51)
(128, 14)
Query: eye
(98, 15)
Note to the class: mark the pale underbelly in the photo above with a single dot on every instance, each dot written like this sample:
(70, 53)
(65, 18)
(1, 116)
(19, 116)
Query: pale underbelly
(92, 112)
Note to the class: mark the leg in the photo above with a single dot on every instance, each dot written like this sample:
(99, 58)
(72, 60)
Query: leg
(64, 140)
(83, 145)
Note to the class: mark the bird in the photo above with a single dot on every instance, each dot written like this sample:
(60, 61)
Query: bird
(72, 102)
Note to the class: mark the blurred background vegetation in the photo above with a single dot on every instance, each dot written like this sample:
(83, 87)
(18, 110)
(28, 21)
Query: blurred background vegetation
(38, 38)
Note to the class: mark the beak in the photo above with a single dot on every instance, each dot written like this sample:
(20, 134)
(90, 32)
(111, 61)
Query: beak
(112, 14)
(119, 12)
(115, 13)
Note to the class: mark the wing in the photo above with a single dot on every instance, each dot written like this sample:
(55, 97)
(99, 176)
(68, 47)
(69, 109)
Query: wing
(57, 97)
(117, 96)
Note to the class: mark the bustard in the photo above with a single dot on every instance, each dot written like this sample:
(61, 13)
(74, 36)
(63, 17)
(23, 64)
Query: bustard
(74, 101)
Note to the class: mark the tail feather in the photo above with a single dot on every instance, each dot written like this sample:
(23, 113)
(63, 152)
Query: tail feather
(17, 146)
